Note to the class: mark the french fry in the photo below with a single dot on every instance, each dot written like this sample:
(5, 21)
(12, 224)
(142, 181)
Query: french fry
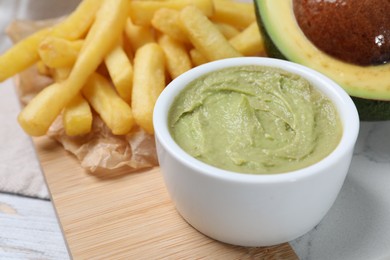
(249, 42)
(112, 109)
(60, 74)
(21, 55)
(197, 58)
(127, 47)
(79, 21)
(229, 31)
(42, 110)
(138, 35)
(165, 20)
(237, 14)
(204, 35)
(121, 72)
(176, 56)
(42, 68)
(110, 20)
(25, 53)
(57, 52)
(148, 83)
(77, 117)
(142, 12)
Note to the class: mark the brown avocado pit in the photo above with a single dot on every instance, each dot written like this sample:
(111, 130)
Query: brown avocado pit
(354, 31)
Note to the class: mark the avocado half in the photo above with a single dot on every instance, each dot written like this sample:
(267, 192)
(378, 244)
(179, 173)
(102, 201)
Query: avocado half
(369, 86)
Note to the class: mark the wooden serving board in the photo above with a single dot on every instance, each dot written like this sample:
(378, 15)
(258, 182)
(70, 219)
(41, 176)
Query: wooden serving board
(120, 215)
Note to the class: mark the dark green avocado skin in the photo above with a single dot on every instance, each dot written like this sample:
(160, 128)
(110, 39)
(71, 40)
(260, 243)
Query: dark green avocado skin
(372, 110)
(369, 110)
(270, 47)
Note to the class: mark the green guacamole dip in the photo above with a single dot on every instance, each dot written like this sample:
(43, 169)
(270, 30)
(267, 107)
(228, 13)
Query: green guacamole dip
(254, 119)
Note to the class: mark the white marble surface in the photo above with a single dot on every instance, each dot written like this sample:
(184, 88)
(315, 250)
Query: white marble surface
(357, 226)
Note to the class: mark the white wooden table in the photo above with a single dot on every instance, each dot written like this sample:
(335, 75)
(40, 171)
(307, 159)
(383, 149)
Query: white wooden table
(29, 229)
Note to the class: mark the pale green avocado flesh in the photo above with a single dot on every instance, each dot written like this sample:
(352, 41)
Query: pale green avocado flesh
(369, 86)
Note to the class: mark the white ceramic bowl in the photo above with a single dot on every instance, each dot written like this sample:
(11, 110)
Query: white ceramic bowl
(254, 210)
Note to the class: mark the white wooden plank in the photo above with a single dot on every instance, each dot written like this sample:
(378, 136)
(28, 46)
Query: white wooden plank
(29, 229)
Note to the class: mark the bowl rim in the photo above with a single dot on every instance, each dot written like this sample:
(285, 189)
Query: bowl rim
(345, 106)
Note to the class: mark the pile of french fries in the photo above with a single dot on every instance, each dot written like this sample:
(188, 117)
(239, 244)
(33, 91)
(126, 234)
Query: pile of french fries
(114, 57)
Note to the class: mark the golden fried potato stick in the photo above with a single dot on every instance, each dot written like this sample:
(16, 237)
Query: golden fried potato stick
(235, 13)
(176, 56)
(148, 83)
(76, 25)
(42, 110)
(57, 52)
(110, 21)
(112, 109)
(249, 42)
(60, 74)
(25, 53)
(227, 30)
(121, 71)
(21, 55)
(138, 35)
(77, 117)
(127, 47)
(142, 12)
(205, 35)
(197, 58)
(165, 20)
(42, 68)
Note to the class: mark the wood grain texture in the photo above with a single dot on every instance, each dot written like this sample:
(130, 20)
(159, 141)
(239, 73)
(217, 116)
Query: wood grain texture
(121, 215)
